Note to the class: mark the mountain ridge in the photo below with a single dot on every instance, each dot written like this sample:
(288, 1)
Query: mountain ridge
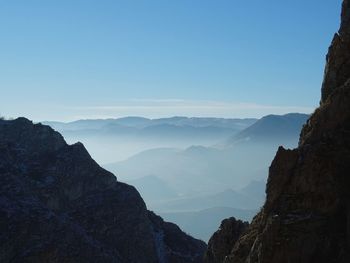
(271, 127)
(48, 192)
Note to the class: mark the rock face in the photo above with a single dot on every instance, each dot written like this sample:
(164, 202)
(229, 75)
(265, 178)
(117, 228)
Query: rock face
(58, 205)
(306, 216)
(223, 240)
(338, 58)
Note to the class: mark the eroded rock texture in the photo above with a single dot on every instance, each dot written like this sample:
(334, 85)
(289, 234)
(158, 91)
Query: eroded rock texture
(58, 205)
(306, 217)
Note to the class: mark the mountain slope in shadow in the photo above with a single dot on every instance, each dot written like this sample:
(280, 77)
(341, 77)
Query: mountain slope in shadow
(58, 205)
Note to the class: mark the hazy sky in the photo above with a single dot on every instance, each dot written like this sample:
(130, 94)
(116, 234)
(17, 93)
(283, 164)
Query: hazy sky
(70, 59)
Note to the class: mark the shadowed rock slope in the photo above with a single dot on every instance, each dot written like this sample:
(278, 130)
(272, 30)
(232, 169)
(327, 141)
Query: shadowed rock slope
(221, 243)
(59, 205)
(306, 216)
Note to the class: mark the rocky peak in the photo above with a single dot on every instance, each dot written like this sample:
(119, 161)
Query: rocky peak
(19, 130)
(58, 205)
(337, 70)
(223, 240)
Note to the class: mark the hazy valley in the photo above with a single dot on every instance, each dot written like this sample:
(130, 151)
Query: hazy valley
(175, 132)
(186, 167)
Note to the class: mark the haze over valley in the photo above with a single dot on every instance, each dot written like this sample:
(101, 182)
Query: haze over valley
(185, 167)
(175, 131)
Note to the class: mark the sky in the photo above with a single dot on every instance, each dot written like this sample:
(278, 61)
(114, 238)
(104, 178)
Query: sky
(67, 60)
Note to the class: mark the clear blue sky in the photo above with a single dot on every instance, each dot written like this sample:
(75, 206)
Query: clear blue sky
(69, 59)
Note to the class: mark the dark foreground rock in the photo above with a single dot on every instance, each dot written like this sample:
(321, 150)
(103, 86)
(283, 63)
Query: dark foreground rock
(306, 216)
(58, 205)
(223, 240)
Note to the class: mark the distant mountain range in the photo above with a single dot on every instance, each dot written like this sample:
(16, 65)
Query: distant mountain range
(113, 140)
(197, 169)
(271, 128)
(175, 127)
(140, 122)
(201, 215)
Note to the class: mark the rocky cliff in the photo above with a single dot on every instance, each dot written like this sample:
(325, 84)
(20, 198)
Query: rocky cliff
(58, 205)
(223, 240)
(306, 216)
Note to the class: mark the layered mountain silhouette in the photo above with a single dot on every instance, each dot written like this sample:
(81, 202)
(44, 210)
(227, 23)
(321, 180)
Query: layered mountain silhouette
(200, 215)
(232, 175)
(277, 129)
(114, 140)
(58, 205)
(140, 122)
(305, 218)
(199, 169)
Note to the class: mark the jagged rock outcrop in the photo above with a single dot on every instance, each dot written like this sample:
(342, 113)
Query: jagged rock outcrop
(306, 216)
(58, 205)
(223, 240)
(338, 57)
